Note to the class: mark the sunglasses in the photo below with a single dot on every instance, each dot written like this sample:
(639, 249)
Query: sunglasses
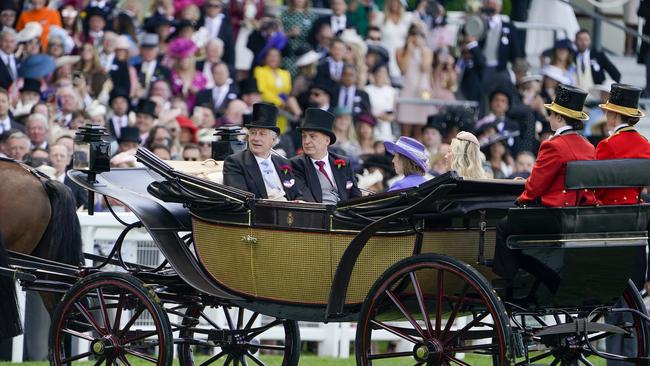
(205, 143)
(213, 5)
(190, 159)
(316, 93)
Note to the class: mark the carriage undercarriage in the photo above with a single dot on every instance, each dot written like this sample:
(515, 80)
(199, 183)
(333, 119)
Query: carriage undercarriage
(415, 265)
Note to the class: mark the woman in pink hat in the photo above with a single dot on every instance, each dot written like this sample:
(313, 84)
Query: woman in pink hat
(186, 80)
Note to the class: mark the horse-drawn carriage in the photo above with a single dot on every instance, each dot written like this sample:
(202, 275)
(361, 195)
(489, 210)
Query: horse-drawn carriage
(416, 264)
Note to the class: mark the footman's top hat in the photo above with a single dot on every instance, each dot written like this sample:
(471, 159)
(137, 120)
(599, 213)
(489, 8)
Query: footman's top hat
(569, 102)
(319, 120)
(264, 115)
(624, 99)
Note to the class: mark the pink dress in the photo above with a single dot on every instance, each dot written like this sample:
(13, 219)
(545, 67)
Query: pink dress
(199, 83)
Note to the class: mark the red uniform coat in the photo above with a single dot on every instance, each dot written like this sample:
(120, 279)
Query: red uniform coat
(627, 143)
(546, 182)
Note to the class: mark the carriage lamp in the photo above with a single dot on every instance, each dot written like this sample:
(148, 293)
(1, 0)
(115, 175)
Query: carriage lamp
(92, 155)
(227, 142)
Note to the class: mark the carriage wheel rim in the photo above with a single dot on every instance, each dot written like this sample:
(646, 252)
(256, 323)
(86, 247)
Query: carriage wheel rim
(446, 355)
(242, 348)
(109, 343)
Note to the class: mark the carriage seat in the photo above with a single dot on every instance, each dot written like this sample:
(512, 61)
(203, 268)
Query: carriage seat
(590, 174)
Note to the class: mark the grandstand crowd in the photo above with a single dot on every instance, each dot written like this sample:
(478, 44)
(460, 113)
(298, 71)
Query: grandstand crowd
(164, 74)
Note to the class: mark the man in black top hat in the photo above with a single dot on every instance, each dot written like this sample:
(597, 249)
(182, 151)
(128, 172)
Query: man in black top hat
(322, 176)
(145, 115)
(320, 94)
(256, 169)
(129, 139)
(150, 69)
(249, 93)
(119, 118)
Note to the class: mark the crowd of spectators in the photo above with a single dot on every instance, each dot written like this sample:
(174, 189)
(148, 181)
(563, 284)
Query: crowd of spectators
(164, 75)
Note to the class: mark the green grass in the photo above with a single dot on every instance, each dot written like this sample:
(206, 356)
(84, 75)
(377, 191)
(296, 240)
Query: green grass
(304, 361)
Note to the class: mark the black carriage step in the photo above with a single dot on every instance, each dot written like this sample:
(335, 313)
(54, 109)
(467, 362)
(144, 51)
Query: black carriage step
(579, 326)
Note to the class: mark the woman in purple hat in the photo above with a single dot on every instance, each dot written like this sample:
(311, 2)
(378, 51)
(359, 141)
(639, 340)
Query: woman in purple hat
(410, 159)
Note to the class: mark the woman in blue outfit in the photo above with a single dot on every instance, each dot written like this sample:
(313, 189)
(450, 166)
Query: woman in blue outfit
(409, 159)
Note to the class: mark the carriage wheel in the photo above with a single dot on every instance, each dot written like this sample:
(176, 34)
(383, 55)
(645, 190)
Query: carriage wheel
(572, 349)
(238, 342)
(120, 319)
(419, 301)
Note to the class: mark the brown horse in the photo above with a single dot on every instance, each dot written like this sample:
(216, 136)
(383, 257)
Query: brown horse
(37, 217)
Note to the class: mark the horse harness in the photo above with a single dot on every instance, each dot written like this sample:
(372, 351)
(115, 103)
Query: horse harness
(33, 171)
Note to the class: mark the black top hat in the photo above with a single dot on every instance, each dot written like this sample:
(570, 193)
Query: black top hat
(438, 122)
(146, 106)
(265, 115)
(31, 85)
(569, 102)
(96, 11)
(248, 86)
(118, 92)
(382, 161)
(624, 99)
(152, 23)
(319, 120)
(129, 134)
(325, 84)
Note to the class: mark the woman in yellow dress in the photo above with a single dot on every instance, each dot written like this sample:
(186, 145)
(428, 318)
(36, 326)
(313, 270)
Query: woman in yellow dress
(274, 83)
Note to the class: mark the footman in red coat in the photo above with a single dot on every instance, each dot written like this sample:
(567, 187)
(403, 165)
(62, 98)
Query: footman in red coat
(546, 182)
(624, 142)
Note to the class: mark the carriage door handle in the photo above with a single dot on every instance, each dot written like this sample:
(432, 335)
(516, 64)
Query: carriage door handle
(249, 239)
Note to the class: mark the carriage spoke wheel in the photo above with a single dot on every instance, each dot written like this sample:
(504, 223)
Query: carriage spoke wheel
(237, 339)
(573, 349)
(424, 302)
(118, 319)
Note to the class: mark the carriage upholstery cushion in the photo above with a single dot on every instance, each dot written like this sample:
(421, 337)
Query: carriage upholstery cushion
(585, 219)
(581, 174)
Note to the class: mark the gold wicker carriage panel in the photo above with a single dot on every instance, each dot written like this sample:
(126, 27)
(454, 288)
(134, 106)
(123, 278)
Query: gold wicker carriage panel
(291, 266)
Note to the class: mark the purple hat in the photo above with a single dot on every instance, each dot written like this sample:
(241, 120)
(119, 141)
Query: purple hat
(181, 48)
(411, 149)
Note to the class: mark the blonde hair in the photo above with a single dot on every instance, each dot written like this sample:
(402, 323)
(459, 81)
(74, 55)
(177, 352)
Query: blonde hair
(466, 159)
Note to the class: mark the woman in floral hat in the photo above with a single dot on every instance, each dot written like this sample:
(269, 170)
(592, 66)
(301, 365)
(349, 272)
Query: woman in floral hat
(186, 80)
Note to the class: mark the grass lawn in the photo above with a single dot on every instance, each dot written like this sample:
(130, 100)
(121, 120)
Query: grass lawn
(304, 361)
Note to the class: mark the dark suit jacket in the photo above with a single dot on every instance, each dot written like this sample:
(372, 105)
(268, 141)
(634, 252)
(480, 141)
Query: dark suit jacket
(471, 84)
(160, 72)
(241, 171)
(225, 34)
(5, 76)
(309, 185)
(323, 69)
(601, 63)
(509, 45)
(360, 104)
(204, 97)
(19, 126)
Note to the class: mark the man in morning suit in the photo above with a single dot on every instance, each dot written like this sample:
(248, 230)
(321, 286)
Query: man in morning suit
(150, 69)
(625, 142)
(591, 64)
(255, 169)
(322, 176)
(500, 44)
